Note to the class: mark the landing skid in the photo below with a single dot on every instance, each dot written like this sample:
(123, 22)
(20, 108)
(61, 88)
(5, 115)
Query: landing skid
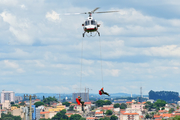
(91, 34)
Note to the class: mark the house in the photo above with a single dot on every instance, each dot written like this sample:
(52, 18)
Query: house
(162, 111)
(131, 110)
(157, 117)
(129, 104)
(129, 116)
(99, 114)
(138, 106)
(17, 112)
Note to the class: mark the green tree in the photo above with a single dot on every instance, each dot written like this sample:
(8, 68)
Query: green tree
(22, 103)
(123, 106)
(160, 103)
(107, 102)
(147, 116)
(171, 110)
(176, 118)
(8, 118)
(109, 112)
(117, 105)
(100, 103)
(71, 108)
(75, 117)
(66, 103)
(12, 103)
(60, 115)
(113, 117)
(162, 108)
(49, 100)
(38, 103)
(82, 119)
(105, 118)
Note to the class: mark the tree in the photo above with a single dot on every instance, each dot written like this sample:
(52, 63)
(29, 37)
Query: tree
(160, 103)
(22, 103)
(105, 118)
(117, 105)
(12, 103)
(176, 118)
(171, 110)
(107, 102)
(75, 117)
(162, 108)
(82, 119)
(147, 116)
(109, 112)
(66, 103)
(71, 108)
(113, 117)
(60, 115)
(49, 100)
(38, 103)
(123, 106)
(100, 103)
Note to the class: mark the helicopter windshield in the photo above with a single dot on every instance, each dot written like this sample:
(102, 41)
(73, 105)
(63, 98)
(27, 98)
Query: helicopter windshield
(87, 23)
(93, 22)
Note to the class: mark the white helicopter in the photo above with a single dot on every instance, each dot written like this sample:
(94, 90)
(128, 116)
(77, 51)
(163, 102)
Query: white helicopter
(90, 25)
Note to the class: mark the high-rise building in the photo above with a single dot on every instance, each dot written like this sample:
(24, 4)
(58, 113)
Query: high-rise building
(7, 95)
(84, 96)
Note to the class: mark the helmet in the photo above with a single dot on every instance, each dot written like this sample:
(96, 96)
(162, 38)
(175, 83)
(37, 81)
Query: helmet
(101, 88)
(78, 96)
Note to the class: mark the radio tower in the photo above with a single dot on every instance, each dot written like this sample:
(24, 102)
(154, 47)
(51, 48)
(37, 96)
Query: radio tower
(141, 93)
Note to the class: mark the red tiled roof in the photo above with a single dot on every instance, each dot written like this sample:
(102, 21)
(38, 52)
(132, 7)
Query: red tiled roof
(141, 116)
(166, 115)
(90, 118)
(44, 112)
(156, 116)
(87, 103)
(130, 113)
(101, 112)
(37, 100)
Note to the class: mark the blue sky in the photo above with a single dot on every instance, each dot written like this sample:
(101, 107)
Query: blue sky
(41, 51)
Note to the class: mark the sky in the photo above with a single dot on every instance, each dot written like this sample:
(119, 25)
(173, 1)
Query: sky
(40, 47)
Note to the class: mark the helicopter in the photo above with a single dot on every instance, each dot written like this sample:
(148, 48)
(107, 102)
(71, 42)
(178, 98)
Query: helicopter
(90, 25)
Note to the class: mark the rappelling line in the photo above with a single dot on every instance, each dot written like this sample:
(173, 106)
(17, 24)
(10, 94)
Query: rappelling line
(81, 64)
(101, 60)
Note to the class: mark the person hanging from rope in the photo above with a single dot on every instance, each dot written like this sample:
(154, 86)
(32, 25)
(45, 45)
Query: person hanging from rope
(101, 92)
(78, 100)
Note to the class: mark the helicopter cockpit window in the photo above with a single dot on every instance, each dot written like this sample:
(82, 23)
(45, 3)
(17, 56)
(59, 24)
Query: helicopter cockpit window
(87, 23)
(93, 22)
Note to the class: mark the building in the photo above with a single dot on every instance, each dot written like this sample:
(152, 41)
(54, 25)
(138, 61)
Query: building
(84, 96)
(99, 114)
(129, 116)
(38, 113)
(6, 105)
(58, 108)
(34, 112)
(18, 99)
(7, 95)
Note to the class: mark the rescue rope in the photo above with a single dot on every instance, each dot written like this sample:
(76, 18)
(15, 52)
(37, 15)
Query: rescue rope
(81, 65)
(101, 60)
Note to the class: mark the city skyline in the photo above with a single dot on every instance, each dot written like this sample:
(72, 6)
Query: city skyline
(40, 51)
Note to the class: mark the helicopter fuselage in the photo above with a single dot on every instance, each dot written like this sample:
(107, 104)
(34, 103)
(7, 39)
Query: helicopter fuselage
(90, 25)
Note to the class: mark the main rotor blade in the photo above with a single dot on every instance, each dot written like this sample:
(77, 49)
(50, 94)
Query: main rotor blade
(94, 10)
(106, 12)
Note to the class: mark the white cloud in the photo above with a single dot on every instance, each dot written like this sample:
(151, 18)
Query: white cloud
(53, 16)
